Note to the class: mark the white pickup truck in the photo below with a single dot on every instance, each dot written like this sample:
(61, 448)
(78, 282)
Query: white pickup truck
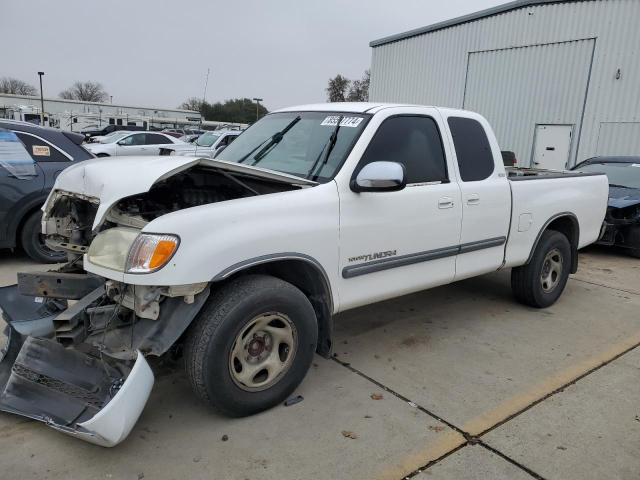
(240, 263)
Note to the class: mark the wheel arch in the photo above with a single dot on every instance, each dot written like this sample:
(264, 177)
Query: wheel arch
(17, 222)
(567, 224)
(303, 272)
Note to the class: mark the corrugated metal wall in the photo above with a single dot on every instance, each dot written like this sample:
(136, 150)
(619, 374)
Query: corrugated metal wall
(432, 69)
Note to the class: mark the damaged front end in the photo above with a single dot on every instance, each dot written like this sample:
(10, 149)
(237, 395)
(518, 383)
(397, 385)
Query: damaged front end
(73, 341)
(79, 365)
(621, 228)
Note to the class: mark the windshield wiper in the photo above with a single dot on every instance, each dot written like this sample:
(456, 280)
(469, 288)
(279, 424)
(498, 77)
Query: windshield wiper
(618, 186)
(270, 142)
(328, 146)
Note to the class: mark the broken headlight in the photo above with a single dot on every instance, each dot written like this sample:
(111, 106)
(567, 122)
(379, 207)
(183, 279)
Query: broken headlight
(128, 250)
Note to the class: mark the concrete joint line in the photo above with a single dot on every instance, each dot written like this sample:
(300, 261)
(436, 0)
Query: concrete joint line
(471, 432)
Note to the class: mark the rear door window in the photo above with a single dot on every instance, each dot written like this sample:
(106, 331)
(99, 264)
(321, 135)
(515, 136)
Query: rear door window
(475, 159)
(40, 150)
(14, 156)
(155, 139)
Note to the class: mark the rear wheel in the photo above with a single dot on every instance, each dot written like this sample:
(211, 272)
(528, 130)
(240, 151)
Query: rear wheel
(251, 345)
(33, 241)
(541, 282)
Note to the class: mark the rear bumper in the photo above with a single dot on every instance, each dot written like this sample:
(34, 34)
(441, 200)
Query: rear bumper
(73, 392)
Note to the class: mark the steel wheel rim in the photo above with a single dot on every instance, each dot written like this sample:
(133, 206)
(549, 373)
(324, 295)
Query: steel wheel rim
(263, 351)
(551, 270)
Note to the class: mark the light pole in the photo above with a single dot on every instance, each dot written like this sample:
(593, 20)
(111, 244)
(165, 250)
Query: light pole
(111, 97)
(257, 100)
(40, 74)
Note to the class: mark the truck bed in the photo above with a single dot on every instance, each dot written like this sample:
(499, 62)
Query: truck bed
(554, 194)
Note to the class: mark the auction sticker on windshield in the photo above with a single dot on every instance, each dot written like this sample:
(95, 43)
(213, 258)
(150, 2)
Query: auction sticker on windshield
(352, 122)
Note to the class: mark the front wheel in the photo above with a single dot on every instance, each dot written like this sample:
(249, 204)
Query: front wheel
(251, 345)
(541, 282)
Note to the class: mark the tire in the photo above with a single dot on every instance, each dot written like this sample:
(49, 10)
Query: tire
(213, 340)
(33, 243)
(633, 238)
(535, 284)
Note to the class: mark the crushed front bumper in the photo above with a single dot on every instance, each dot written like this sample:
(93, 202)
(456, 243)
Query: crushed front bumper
(74, 392)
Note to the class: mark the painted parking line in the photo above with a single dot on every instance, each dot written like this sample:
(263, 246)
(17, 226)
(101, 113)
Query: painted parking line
(453, 440)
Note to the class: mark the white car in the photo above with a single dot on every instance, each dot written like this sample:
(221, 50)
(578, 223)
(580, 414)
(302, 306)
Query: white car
(206, 145)
(242, 261)
(133, 143)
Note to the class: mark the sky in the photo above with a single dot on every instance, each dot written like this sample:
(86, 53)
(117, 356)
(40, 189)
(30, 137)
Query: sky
(156, 52)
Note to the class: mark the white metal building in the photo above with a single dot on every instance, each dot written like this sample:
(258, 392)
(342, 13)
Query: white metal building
(558, 80)
(75, 115)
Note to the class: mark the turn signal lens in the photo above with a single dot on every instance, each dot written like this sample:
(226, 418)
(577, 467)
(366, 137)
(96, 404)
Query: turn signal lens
(150, 252)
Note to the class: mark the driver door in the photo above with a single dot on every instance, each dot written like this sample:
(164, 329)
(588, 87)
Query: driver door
(394, 243)
(134, 144)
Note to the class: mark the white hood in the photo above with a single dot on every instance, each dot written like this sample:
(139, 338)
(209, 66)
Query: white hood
(110, 179)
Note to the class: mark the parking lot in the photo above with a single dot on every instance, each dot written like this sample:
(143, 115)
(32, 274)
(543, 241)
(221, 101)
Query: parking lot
(455, 382)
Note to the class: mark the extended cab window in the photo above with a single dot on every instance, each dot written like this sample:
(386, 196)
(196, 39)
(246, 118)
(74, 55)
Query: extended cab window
(40, 150)
(475, 159)
(413, 141)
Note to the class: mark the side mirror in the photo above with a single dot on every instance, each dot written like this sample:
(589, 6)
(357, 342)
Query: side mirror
(380, 177)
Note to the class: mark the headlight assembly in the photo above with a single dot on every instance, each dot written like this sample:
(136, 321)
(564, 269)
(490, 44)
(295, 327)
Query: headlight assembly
(151, 252)
(128, 250)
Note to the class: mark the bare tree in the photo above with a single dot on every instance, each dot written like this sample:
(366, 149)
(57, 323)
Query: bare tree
(14, 86)
(192, 103)
(359, 89)
(337, 88)
(85, 91)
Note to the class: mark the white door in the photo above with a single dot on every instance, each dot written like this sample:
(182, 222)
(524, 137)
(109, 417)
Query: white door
(393, 243)
(486, 198)
(552, 146)
(134, 144)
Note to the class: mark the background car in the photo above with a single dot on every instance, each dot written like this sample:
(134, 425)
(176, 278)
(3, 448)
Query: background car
(208, 144)
(110, 128)
(622, 223)
(135, 143)
(21, 196)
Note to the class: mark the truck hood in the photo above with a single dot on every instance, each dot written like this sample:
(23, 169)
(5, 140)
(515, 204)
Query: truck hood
(111, 179)
(623, 197)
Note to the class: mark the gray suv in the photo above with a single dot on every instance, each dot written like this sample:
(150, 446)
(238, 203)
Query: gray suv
(22, 192)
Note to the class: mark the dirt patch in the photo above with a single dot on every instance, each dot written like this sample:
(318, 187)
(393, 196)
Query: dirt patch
(414, 340)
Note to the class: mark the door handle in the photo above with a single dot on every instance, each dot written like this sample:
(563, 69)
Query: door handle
(445, 202)
(473, 199)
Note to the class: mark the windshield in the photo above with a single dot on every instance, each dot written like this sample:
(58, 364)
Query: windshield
(619, 174)
(115, 136)
(207, 139)
(297, 143)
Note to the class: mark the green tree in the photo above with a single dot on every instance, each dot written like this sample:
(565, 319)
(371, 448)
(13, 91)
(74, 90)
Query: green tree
(237, 110)
(359, 89)
(337, 88)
